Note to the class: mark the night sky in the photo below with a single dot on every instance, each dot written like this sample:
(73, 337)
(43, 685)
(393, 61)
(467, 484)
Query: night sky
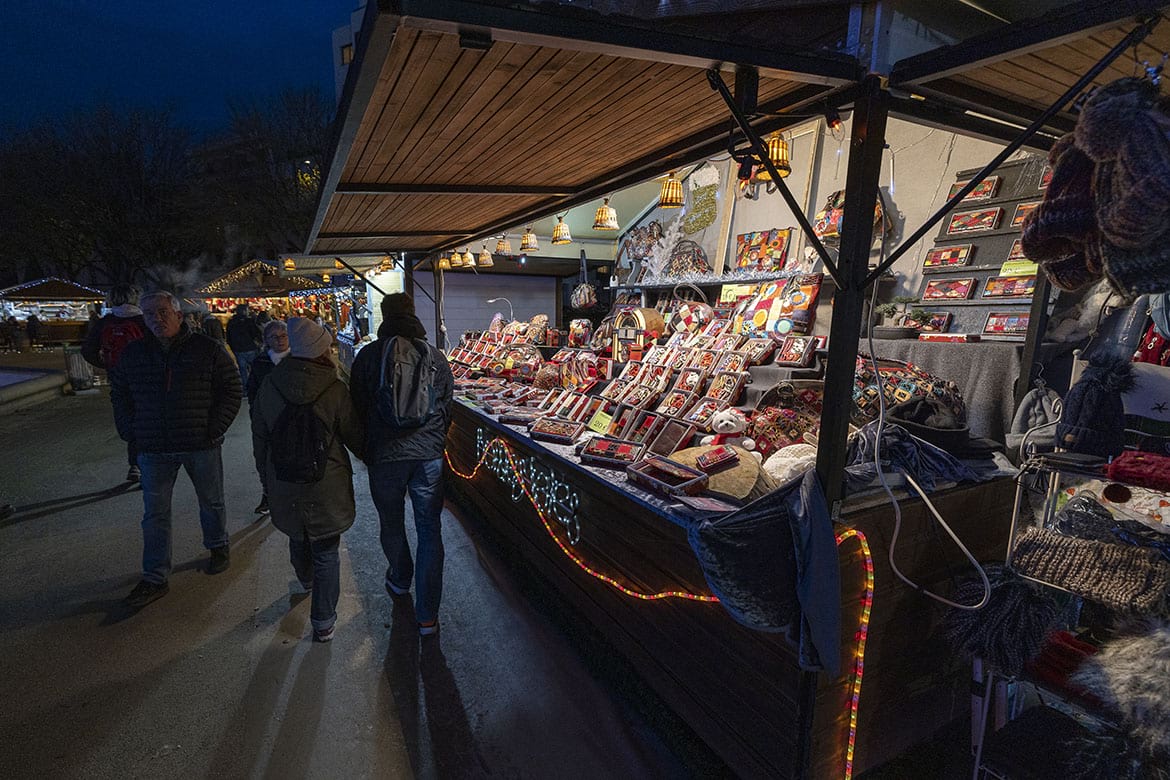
(57, 56)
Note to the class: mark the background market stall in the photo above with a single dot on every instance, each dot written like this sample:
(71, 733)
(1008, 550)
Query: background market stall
(260, 285)
(62, 307)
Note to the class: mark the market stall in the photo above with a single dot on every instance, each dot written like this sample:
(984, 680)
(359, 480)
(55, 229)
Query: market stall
(61, 307)
(260, 285)
(603, 446)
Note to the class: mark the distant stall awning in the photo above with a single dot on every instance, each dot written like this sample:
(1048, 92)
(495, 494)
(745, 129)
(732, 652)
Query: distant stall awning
(256, 279)
(52, 289)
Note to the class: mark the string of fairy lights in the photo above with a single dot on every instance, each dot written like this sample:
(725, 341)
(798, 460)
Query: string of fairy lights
(488, 455)
(237, 275)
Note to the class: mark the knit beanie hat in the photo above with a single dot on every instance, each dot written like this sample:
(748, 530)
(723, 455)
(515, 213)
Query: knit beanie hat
(307, 339)
(1108, 116)
(397, 305)
(1066, 217)
(1093, 420)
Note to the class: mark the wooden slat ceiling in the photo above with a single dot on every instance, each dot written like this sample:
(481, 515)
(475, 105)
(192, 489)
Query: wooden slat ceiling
(1037, 79)
(513, 114)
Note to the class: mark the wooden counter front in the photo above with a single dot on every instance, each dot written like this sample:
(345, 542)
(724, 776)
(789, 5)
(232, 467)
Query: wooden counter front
(741, 690)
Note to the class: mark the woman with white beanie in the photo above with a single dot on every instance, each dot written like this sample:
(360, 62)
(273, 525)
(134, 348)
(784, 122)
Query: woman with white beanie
(302, 421)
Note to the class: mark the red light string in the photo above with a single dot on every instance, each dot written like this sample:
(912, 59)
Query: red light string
(859, 654)
(866, 606)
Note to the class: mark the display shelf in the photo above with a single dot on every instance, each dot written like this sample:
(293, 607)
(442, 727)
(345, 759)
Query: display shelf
(947, 303)
(722, 280)
(958, 269)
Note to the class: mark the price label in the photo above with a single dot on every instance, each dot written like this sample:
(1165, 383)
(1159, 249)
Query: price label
(600, 421)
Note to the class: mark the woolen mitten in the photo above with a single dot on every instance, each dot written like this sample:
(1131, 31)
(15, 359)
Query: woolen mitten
(1066, 217)
(1093, 420)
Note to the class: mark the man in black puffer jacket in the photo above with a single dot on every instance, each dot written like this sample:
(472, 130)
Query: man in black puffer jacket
(175, 394)
(401, 461)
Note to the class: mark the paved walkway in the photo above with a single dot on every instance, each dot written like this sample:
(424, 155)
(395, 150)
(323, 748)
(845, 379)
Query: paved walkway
(219, 677)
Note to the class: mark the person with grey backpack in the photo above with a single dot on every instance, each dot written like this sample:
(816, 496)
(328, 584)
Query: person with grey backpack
(402, 388)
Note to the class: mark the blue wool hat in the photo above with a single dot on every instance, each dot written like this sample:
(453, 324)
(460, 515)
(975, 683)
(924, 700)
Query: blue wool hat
(1093, 419)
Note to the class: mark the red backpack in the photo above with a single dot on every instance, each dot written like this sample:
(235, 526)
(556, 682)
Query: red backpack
(115, 336)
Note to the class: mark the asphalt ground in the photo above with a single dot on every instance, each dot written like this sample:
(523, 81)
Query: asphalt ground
(220, 678)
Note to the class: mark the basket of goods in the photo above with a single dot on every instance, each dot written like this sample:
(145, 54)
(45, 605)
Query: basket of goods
(548, 376)
(518, 360)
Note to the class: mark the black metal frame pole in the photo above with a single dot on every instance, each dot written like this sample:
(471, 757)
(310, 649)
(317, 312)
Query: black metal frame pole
(1135, 36)
(438, 300)
(761, 151)
(867, 141)
(1037, 327)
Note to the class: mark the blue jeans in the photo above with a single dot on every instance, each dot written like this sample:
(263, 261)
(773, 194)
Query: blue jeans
(317, 561)
(159, 470)
(244, 363)
(389, 483)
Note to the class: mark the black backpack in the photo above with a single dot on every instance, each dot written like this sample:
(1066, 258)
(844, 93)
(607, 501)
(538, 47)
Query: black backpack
(300, 441)
(405, 398)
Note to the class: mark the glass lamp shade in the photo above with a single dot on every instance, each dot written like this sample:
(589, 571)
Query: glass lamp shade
(560, 234)
(671, 196)
(444, 263)
(468, 259)
(326, 278)
(503, 246)
(528, 241)
(289, 264)
(778, 154)
(386, 264)
(337, 264)
(606, 217)
(456, 259)
(485, 258)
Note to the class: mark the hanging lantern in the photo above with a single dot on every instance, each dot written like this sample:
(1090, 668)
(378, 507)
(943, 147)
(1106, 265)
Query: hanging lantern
(444, 263)
(503, 246)
(778, 154)
(671, 196)
(485, 258)
(528, 241)
(386, 264)
(606, 217)
(338, 264)
(325, 278)
(468, 258)
(289, 264)
(456, 259)
(560, 234)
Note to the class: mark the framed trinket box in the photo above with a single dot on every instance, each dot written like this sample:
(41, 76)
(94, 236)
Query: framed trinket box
(726, 385)
(796, 351)
(631, 371)
(984, 190)
(556, 431)
(1017, 251)
(732, 361)
(676, 403)
(656, 355)
(938, 323)
(706, 359)
(680, 358)
(615, 389)
(517, 417)
(690, 380)
(715, 328)
(943, 256)
(1045, 177)
(562, 355)
(727, 342)
(586, 410)
(672, 436)
(975, 221)
(658, 376)
(568, 405)
(641, 395)
(666, 477)
(758, 350)
(610, 453)
(949, 289)
(701, 413)
(1022, 211)
(717, 459)
(1007, 323)
(644, 427)
(1009, 287)
(623, 418)
(678, 339)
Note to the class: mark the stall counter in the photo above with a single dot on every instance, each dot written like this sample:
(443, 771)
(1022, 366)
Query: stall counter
(621, 557)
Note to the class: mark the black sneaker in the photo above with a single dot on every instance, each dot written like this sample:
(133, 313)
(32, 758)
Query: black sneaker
(134, 474)
(145, 592)
(220, 560)
(262, 507)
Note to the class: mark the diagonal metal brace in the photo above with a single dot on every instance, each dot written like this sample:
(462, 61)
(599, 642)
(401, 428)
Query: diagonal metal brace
(761, 151)
(356, 272)
(1134, 37)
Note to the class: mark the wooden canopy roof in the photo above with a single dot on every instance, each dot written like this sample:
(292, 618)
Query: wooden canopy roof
(51, 289)
(462, 119)
(256, 279)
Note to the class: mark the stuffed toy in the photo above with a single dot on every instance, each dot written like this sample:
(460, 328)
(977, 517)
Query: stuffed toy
(728, 426)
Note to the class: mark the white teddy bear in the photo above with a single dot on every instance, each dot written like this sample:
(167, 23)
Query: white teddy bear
(727, 425)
